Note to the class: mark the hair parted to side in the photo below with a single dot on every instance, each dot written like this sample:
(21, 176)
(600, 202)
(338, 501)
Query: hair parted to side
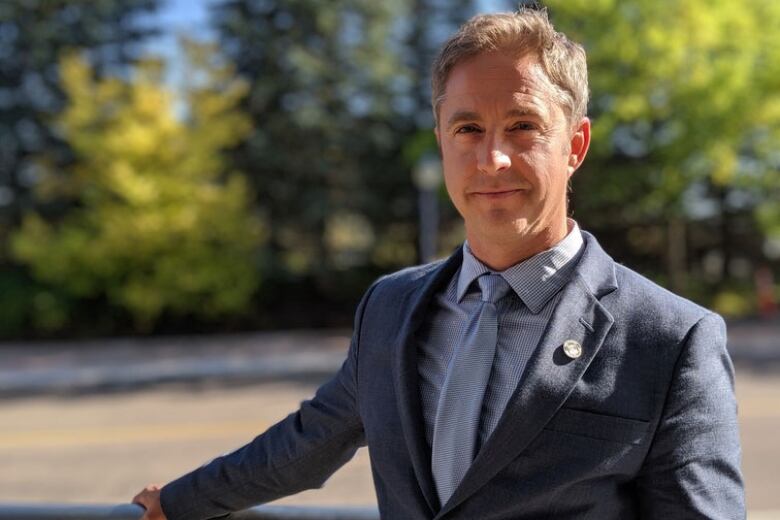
(527, 31)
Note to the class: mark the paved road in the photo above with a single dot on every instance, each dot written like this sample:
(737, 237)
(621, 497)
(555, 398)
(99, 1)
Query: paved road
(94, 422)
(103, 447)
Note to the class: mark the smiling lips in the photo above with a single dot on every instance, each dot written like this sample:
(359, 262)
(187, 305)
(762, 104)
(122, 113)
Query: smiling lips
(497, 194)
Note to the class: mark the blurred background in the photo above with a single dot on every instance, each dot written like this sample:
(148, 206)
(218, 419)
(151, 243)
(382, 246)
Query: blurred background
(189, 184)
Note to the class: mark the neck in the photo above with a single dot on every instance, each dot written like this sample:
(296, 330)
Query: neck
(502, 254)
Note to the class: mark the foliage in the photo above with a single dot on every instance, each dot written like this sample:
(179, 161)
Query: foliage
(683, 91)
(686, 109)
(734, 304)
(335, 96)
(157, 224)
(32, 35)
(322, 85)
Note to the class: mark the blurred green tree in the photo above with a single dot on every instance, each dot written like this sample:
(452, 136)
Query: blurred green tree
(32, 35)
(158, 224)
(324, 82)
(686, 110)
(338, 89)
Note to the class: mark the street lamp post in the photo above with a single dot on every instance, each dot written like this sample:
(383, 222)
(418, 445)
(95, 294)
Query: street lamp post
(427, 176)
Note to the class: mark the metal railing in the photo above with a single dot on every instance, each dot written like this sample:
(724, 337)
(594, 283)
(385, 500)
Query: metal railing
(134, 512)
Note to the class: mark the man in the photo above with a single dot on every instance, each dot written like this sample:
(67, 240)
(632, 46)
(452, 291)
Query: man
(528, 375)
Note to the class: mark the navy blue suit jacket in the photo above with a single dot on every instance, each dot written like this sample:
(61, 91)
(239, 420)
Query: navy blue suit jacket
(642, 425)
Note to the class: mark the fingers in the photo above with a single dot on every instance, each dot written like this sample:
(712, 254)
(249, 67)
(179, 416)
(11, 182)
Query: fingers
(146, 495)
(149, 499)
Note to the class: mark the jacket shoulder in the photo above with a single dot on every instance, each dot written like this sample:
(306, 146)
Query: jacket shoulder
(646, 307)
(393, 295)
(413, 273)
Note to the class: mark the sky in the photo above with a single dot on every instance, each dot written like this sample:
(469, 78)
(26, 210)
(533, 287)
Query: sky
(190, 16)
(179, 17)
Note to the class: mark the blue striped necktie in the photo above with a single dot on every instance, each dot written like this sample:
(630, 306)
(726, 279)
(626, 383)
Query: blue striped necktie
(460, 402)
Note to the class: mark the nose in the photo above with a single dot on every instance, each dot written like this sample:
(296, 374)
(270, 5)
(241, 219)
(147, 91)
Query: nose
(492, 158)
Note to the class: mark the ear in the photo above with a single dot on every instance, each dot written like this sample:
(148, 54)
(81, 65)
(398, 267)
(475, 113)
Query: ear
(438, 136)
(579, 144)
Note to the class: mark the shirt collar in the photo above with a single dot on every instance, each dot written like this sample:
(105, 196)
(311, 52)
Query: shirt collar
(536, 279)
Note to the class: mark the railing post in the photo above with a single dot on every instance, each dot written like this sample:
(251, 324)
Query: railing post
(134, 512)
(70, 512)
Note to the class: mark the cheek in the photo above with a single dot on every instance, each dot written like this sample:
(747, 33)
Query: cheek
(453, 181)
(544, 170)
(457, 164)
(533, 166)
(462, 156)
(454, 150)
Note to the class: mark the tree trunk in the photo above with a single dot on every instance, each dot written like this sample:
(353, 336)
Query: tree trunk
(676, 255)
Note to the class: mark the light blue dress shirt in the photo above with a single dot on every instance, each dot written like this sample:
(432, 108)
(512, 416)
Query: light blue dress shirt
(523, 317)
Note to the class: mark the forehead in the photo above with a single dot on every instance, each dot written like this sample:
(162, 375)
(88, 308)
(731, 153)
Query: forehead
(497, 78)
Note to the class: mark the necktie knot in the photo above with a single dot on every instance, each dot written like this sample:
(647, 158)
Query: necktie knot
(493, 287)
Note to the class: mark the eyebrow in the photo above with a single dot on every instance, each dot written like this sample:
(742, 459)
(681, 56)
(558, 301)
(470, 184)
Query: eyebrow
(526, 111)
(466, 115)
(461, 116)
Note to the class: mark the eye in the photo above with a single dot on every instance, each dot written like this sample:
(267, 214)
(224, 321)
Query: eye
(524, 126)
(467, 129)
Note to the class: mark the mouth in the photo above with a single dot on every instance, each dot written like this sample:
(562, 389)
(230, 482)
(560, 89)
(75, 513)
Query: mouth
(497, 194)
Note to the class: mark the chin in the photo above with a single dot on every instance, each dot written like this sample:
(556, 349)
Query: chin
(521, 226)
(503, 229)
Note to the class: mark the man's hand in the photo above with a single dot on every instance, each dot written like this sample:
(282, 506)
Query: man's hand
(149, 499)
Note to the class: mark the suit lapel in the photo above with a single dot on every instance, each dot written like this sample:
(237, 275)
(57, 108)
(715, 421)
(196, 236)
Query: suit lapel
(405, 376)
(551, 375)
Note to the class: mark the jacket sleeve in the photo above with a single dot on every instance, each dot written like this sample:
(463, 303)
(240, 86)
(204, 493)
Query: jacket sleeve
(300, 452)
(692, 469)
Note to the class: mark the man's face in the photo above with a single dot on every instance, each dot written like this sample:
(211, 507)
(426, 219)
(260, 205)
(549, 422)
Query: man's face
(507, 148)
